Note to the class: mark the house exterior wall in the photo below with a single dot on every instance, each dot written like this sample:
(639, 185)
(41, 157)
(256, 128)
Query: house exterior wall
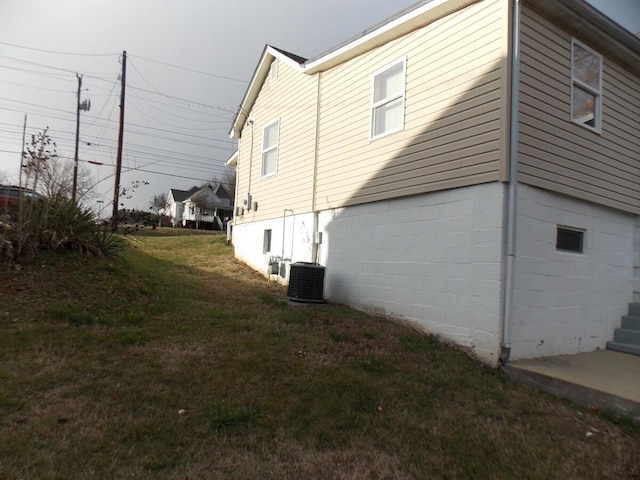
(569, 302)
(559, 155)
(636, 263)
(434, 259)
(413, 222)
(175, 210)
(291, 98)
(453, 126)
(177, 214)
(248, 241)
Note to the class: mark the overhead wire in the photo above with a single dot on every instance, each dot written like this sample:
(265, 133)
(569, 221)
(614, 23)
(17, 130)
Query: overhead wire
(27, 62)
(136, 151)
(190, 69)
(230, 142)
(58, 52)
(199, 120)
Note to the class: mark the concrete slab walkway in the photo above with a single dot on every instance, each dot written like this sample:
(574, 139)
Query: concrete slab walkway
(606, 379)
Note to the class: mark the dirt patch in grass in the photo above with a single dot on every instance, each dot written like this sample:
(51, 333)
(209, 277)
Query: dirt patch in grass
(194, 366)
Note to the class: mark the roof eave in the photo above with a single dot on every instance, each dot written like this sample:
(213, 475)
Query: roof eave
(233, 160)
(581, 19)
(404, 22)
(261, 72)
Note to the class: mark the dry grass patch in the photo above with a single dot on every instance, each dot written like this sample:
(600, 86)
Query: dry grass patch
(179, 362)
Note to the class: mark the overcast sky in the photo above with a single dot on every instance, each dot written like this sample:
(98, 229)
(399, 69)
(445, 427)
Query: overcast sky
(177, 118)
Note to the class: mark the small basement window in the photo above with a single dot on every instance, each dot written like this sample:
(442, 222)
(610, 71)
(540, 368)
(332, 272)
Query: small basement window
(570, 240)
(266, 242)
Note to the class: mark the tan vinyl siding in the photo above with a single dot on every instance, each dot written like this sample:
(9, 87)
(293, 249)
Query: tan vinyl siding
(453, 126)
(560, 155)
(291, 98)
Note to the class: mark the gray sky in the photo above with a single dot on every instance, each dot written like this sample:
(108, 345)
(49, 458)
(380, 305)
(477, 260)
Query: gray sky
(177, 119)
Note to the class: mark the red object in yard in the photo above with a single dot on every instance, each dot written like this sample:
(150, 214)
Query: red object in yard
(10, 195)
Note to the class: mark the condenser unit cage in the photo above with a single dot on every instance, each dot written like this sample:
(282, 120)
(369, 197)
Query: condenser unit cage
(306, 283)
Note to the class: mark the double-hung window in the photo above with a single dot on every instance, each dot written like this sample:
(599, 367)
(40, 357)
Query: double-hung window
(586, 86)
(270, 148)
(387, 102)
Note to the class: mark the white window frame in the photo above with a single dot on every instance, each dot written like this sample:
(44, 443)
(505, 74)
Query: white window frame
(375, 105)
(270, 148)
(575, 82)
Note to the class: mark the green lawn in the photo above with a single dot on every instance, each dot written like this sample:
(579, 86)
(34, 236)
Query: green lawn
(177, 361)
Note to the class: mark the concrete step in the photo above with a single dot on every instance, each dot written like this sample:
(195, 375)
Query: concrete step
(631, 322)
(604, 378)
(624, 335)
(624, 347)
(634, 309)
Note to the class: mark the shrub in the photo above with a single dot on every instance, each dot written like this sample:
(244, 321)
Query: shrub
(56, 224)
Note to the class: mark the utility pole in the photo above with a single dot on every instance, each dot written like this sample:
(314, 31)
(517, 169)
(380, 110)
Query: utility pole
(20, 219)
(116, 187)
(85, 105)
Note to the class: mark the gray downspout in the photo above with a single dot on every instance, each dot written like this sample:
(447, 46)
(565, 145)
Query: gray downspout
(512, 211)
(314, 244)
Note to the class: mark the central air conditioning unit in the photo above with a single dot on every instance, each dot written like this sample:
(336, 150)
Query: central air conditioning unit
(306, 283)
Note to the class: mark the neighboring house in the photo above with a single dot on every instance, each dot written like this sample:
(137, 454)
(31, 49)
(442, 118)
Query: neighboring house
(201, 207)
(472, 166)
(175, 200)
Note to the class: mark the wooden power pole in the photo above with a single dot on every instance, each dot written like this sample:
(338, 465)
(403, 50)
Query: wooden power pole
(75, 164)
(116, 187)
(85, 105)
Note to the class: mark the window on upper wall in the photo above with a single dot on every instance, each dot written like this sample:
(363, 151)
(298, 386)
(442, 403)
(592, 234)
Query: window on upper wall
(586, 86)
(387, 100)
(270, 148)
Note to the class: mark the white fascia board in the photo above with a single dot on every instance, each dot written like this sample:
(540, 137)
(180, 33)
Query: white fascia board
(592, 26)
(397, 27)
(259, 76)
(233, 160)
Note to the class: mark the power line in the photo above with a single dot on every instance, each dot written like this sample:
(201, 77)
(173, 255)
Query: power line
(230, 142)
(36, 72)
(27, 62)
(184, 100)
(198, 112)
(190, 69)
(37, 88)
(60, 53)
(199, 120)
(168, 124)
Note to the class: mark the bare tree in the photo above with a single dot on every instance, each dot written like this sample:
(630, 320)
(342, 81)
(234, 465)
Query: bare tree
(57, 179)
(38, 153)
(227, 180)
(160, 205)
(50, 175)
